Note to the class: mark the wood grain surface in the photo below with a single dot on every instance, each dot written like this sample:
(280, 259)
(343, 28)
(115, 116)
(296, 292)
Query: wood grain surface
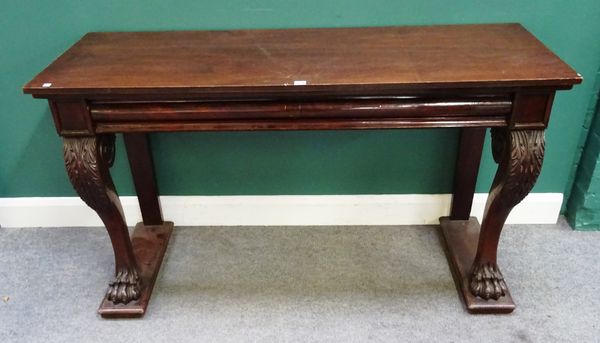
(387, 58)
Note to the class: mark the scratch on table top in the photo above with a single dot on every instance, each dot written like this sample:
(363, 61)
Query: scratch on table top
(266, 53)
(280, 63)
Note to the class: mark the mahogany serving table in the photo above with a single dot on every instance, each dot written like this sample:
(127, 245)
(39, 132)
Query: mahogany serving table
(465, 76)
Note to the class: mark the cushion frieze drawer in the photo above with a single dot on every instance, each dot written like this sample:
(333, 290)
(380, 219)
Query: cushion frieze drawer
(347, 113)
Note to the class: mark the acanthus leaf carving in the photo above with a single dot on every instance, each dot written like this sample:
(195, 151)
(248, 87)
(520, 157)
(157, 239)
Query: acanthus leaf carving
(84, 159)
(520, 154)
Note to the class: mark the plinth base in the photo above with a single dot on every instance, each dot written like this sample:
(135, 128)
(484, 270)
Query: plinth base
(461, 238)
(149, 246)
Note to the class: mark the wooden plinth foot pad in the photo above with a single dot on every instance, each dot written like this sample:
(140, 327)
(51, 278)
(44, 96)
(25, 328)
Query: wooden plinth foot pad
(461, 237)
(149, 245)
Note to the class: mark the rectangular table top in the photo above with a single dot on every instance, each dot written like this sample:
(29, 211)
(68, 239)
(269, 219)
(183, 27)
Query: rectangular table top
(399, 58)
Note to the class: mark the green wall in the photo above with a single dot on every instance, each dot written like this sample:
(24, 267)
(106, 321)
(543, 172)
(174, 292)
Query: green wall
(33, 33)
(583, 206)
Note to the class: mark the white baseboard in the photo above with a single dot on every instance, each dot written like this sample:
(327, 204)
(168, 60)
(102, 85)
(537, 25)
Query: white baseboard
(397, 209)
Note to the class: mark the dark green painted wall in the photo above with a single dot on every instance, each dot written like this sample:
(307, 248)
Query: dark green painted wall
(35, 32)
(583, 206)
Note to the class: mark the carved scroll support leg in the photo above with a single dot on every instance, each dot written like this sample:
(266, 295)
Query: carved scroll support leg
(88, 160)
(520, 154)
(472, 252)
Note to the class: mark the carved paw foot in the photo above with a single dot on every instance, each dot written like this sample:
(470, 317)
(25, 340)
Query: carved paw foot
(125, 287)
(487, 282)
